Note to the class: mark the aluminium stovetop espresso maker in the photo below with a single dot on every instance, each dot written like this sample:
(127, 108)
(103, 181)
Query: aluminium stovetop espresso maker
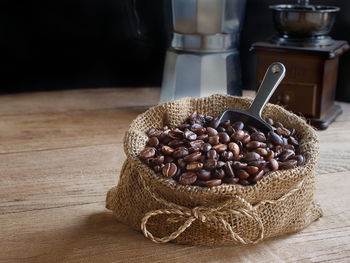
(203, 58)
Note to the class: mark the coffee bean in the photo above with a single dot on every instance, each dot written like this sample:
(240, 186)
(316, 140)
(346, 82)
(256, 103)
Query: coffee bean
(293, 141)
(203, 137)
(193, 157)
(252, 129)
(175, 134)
(227, 156)
(213, 182)
(229, 170)
(251, 156)
(286, 155)
(230, 180)
(212, 154)
(300, 159)
(243, 182)
(147, 153)
(246, 139)
(252, 169)
(210, 164)
(238, 135)
(190, 135)
(269, 121)
(214, 123)
(168, 159)
(194, 149)
(226, 123)
(194, 166)
(196, 143)
(275, 138)
(204, 174)
(238, 125)
(211, 131)
(182, 164)
(154, 133)
(258, 164)
(153, 142)
(258, 136)
(200, 183)
(180, 152)
(274, 164)
(288, 164)
(184, 126)
(218, 173)
(206, 147)
(238, 165)
(224, 138)
(158, 168)
(158, 160)
(261, 151)
(169, 170)
(257, 177)
(176, 143)
(220, 164)
(221, 129)
(255, 144)
(220, 147)
(270, 155)
(278, 125)
(283, 132)
(242, 174)
(187, 178)
(214, 140)
(234, 148)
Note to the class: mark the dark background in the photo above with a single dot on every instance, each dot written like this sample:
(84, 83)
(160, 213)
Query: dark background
(63, 44)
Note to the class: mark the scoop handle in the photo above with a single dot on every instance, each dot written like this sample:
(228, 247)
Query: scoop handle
(273, 77)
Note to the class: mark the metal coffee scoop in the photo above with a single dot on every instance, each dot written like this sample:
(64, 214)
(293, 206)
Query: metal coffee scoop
(252, 116)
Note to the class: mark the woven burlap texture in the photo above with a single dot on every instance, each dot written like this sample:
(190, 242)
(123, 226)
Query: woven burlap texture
(282, 202)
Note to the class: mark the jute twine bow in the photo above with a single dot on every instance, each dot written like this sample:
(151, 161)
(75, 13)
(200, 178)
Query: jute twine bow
(208, 214)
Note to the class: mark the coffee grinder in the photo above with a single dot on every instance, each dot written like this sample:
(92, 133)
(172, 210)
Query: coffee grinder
(203, 58)
(310, 56)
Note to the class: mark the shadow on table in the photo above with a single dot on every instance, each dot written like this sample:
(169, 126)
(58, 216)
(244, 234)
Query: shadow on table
(101, 238)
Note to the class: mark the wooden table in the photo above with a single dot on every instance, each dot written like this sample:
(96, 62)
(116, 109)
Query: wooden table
(61, 151)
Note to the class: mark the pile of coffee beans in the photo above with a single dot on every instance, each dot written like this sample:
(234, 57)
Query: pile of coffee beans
(204, 152)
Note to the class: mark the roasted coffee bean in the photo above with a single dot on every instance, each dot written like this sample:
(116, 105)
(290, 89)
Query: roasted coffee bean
(258, 164)
(176, 143)
(289, 164)
(258, 136)
(196, 143)
(180, 152)
(153, 142)
(220, 164)
(252, 169)
(168, 159)
(208, 118)
(238, 135)
(154, 133)
(175, 134)
(199, 131)
(238, 125)
(147, 153)
(221, 129)
(210, 164)
(278, 150)
(246, 139)
(200, 183)
(181, 163)
(212, 154)
(257, 177)
(270, 155)
(206, 147)
(158, 160)
(261, 151)
(283, 132)
(211, 131)
(189, 135)
(224, 138)
(255, 144)
(242, 174)
(184, 126)
(300, 159)
(227, 156)
(193, 157)
(203, 137)
(278, 125)
(187, 178)
(214, 123)
(214, 140)
(251, 156)
(218, 173)
(230, 130)
(213, 182)
(194, 149)
(234, 148)
(194, 166)
(274, 164)
(243, 182)
(226, 123)
(229, 170)
(220, 148)
(158, 168)
(169, 170)
(285, 141)
(275, 138)
(292, 131)
(204, 174)
(230, 180)
(286, 155)
(239, 165)
(293, 141)
(167, 150)
(252, 129)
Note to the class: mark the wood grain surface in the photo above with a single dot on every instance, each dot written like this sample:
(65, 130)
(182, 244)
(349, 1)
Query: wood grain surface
(61, 151)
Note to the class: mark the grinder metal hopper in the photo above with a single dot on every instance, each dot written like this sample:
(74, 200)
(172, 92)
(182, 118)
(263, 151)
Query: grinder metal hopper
(252, 116)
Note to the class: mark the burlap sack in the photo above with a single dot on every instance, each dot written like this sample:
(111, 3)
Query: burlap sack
(282, 202)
